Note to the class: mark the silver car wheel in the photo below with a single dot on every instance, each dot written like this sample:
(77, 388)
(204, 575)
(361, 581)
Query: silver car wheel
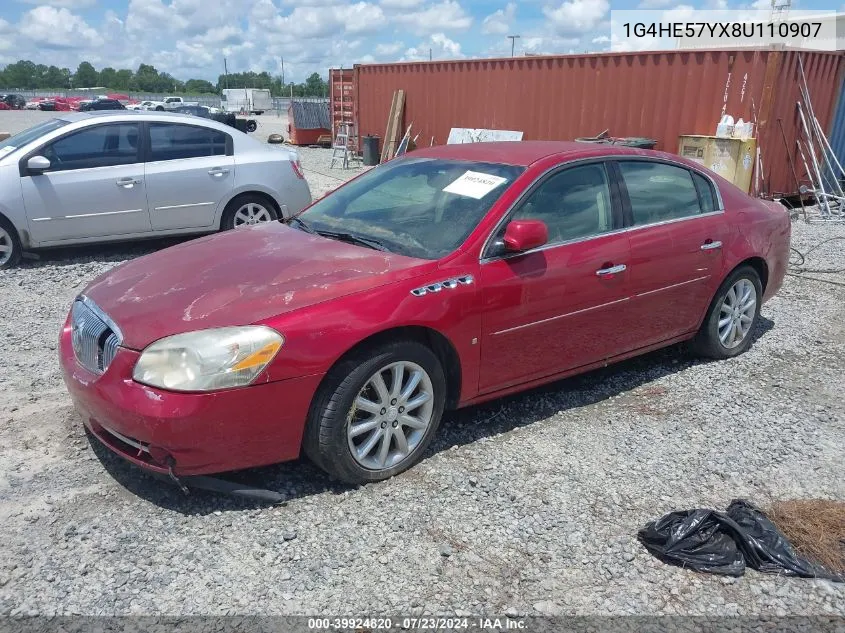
(390, 415)
(6, 246)
(737, 313)
(251, 213)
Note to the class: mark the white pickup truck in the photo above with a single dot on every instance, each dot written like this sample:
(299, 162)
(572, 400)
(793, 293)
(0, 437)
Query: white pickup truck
(171, 103)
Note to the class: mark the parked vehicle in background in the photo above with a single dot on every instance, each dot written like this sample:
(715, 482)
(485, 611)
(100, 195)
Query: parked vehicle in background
(244, 125)
(14, 101)
(249, 100)
(146, 105)
(114, 176)
(3, 106)
(171, 103)
(446, 278)
(32, 104)
(102, 104)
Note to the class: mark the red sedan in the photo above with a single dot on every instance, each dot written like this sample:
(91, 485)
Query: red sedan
(439, 280)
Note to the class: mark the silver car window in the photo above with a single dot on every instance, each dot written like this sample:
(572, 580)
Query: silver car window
(97, 146)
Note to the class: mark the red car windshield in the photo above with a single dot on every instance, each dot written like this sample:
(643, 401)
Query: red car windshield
(420, 207)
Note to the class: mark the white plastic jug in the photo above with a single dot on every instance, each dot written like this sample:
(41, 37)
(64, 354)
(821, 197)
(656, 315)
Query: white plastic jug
(744, 131)
(725, 127)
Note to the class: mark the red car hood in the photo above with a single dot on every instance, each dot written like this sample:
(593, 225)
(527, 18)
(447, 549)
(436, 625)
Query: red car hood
(237, 278)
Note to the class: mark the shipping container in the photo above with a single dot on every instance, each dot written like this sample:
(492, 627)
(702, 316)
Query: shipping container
(837, 126)
(660, 95)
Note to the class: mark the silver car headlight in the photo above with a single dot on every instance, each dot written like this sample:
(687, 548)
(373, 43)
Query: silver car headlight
(207, 360)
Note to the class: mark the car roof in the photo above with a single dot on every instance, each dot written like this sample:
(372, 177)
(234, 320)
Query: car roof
(147, 115)
(524, 153)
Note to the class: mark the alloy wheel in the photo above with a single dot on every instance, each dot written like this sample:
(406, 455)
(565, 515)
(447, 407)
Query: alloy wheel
(390, 415)
(251, 213)
(6, 246)
(737, 313)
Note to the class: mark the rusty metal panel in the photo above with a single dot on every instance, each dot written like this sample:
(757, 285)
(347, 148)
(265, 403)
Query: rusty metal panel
(660, 95)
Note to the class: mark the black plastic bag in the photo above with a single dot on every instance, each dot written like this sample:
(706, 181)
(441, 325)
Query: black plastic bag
(724, 543)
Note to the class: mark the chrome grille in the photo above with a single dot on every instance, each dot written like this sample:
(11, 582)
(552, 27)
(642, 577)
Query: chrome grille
(95, 339)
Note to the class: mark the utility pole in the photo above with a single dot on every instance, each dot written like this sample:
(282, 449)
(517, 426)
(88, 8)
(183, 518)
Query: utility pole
(513, 39)
(226, 73)
(429, 54)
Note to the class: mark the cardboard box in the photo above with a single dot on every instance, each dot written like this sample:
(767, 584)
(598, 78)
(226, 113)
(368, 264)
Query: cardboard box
(731, 158)
(693, 148)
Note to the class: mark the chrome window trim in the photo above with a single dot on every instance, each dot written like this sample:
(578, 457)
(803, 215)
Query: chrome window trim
(610, 157)
(88, 303)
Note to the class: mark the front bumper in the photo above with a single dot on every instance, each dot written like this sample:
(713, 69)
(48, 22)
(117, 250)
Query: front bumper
(195, 433)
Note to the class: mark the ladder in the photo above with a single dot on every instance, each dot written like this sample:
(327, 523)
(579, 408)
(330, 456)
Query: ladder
(341, 150)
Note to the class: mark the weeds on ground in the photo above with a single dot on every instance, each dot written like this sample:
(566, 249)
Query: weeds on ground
(815, 527)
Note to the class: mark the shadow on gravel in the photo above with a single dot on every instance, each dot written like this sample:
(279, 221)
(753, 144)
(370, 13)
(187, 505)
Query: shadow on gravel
(98, 253)
(302, 479)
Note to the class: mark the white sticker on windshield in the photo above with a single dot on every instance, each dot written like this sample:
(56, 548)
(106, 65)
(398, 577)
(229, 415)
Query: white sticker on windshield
(474, 184)
(6, 150)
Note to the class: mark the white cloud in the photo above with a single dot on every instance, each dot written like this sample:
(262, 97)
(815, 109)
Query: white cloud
(438, 46)
(654, 4)
(400, 4)
(601, 39)
(57, 28)
(499, 22)
(448, 15)
(575, 17)
(62, 4)
(385, 50)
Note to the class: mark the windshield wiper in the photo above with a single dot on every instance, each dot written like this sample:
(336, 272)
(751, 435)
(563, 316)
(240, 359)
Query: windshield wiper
(301, 224)
(354, 239)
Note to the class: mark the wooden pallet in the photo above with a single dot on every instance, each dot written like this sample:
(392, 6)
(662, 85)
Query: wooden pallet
(394, 126)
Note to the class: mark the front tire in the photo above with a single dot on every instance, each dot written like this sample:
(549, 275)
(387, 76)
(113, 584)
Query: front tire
(376, 412)
(732, 316)
(10, 245)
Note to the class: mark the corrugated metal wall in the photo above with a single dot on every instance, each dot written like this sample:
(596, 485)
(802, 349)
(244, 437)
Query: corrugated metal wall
(659, 95)
(837, 126)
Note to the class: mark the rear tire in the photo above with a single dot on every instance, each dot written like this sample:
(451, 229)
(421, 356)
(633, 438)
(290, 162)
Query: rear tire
(248, 206)
(10, 245)
(732, 316)
(360, 433)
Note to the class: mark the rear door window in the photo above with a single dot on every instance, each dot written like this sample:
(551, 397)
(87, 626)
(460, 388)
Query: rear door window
(173, 141)
(659, 192)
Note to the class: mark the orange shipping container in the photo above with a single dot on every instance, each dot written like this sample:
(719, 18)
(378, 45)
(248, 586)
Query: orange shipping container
(661, 95)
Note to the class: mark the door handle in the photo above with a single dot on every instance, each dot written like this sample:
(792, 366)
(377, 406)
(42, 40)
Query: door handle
(127, 182)
(709, 246)
(604, 272)
(218, 171)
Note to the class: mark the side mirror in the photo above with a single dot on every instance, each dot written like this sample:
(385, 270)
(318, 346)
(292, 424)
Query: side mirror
(523, 235)
(38, 164)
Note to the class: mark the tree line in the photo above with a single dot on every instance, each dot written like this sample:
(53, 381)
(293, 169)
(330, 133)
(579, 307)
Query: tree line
(27, 75)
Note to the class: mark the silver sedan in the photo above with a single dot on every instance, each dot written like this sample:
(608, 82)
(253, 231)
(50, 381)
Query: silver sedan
(123, 175)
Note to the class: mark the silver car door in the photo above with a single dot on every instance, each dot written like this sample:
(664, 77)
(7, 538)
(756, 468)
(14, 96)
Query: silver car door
(191, 169)
(94, 186)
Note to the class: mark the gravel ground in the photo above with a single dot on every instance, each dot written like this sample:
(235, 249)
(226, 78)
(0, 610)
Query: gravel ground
(528, 505)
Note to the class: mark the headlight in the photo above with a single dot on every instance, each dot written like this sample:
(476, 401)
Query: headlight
(208, 359)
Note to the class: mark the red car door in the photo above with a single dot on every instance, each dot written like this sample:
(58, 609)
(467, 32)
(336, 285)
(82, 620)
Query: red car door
(676, 236)
(559, 306)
